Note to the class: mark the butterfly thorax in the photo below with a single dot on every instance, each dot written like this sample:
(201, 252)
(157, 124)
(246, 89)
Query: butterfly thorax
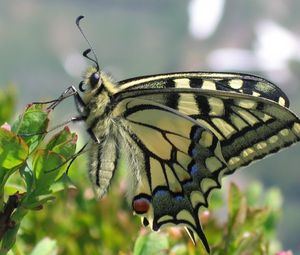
(98, 101)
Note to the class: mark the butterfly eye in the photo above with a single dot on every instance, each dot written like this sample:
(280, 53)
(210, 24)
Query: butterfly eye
(94, 80)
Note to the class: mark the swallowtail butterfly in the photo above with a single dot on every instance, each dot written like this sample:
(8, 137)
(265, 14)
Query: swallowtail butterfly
(181, 133)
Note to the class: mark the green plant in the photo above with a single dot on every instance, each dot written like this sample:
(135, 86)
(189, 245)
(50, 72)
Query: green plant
(38, 164)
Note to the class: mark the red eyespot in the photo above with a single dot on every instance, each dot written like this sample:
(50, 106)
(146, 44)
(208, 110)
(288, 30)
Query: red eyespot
(141, 205)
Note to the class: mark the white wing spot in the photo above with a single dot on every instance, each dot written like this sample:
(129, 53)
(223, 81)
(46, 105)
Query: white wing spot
(236, 83)
(165, 218)
(261, 145)
(247, 104)
(206, 139)
(273, 139)
(185, 215)
(182, 83)
(248, 153)
(265, 117)
(207, 183)
(284, 132)
(234, 161)
(197, 197)
(213, 164)
(256, 94)
(209, 85)
(216, 106)
(281, 101)
(296, 128)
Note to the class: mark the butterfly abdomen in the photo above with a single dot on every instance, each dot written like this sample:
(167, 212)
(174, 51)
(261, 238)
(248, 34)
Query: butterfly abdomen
(103, 161)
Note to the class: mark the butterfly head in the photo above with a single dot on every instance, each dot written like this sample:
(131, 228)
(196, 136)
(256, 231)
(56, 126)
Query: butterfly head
(92, 80)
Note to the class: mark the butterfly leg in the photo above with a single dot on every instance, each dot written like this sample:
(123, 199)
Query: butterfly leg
(80, 105)
(73, 119)
(81, 108)
(70, 91)
(70, 160)
(81, 151)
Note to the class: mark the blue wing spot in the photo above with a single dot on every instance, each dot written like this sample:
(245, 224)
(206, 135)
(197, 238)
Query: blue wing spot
(194, 170)
(196, 133)
(195, 152)
(161, 193)
(178, 197)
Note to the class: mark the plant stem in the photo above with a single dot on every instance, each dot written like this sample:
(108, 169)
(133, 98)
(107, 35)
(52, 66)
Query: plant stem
(10, 220)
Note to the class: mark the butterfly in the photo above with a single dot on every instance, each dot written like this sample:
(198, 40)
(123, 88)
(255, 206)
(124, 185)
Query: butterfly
(180, 133)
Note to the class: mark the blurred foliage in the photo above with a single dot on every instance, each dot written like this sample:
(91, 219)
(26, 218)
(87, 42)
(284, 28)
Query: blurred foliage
(62, 219)
(7, 103)
(37, 167)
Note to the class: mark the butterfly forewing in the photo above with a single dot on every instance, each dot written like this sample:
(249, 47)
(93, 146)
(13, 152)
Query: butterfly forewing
(246, 113)
(230, 82)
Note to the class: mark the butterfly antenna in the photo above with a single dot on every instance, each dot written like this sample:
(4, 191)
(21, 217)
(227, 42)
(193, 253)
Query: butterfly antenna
(86, 52)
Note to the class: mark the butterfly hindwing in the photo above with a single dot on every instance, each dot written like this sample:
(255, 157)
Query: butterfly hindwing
(182, 163)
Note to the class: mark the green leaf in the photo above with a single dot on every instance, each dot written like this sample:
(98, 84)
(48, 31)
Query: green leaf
(12, 188)
(46, 246)
(13, 150)
(32, 125)
(7, 103)
(63, 184)
(249, 244)
(63, 143)
(179, 249)
(237, 212)
(274, 198)
(48, 166)
(216, 200)
(153, 243)
(27, 175)
(35, 202)
(236, 206)
(254, 193)
(256, 218)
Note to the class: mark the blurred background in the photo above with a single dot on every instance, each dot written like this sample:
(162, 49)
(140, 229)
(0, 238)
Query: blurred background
(40, 53)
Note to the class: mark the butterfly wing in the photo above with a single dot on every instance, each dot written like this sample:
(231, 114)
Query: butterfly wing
(248, 114)
(180, 161)
(182, 132)
(230, 82)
